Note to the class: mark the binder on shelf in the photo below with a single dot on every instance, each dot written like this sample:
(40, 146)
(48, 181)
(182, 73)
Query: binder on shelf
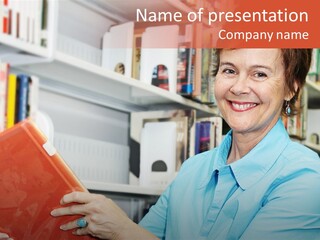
(117, 49)
(159, 53)
(33, 178)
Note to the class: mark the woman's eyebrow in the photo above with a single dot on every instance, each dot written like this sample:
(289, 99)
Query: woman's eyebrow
(262, 66)
(226, 64)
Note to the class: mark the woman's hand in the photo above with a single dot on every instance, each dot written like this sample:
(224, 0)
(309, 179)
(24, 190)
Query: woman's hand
(5, 236)
(105, 219)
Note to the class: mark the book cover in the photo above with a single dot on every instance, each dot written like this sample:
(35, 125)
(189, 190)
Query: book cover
(33, 178)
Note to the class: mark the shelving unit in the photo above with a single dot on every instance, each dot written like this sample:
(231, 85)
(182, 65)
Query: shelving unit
(77, 78)
(18, 52)
(66, 75)
(122, 188)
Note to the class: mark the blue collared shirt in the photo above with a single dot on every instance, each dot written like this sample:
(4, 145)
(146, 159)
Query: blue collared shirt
(273, 192)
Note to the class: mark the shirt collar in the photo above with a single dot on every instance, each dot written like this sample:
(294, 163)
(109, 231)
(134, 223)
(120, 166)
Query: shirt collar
(254, 165)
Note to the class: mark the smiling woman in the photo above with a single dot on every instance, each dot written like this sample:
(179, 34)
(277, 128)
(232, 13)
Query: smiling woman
(257, 184)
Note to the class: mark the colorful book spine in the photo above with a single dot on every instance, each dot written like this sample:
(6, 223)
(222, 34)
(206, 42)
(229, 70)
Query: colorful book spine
(22, 97)
(205, 136)
(11, 100)
(5, 16)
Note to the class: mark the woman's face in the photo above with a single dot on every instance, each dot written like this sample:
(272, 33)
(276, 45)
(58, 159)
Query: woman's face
(250, 88)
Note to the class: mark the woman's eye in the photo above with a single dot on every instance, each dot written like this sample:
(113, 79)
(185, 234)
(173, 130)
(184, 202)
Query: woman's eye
(228, 71)
(260, 75)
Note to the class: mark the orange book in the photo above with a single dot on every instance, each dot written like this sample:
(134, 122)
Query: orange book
(33, 178)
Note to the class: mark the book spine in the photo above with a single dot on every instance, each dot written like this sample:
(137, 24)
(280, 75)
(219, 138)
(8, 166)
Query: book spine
(5, 16)
(204, 136)
(22, 98)
(4, 68)
(33, 96)
(44, 24)
(11, 100)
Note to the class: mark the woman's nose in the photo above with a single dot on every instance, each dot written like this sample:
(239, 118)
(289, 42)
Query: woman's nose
(240, 85)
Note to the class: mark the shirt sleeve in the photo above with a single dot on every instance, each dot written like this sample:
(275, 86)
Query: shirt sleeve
(155, 220)
(290, 211)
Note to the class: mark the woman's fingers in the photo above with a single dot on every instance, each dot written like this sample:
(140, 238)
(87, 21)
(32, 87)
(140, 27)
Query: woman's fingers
(78, 197)
(71, 210)
(73, 224)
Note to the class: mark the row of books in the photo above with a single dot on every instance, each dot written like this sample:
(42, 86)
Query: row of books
(25, 20)
(160, 141)
(208, 133)
(18, 96)
(164, 56)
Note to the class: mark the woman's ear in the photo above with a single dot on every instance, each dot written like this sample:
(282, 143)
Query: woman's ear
(291, 94)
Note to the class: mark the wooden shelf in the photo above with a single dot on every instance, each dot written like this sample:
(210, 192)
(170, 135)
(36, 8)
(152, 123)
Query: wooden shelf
(122, 188)
(77, 78)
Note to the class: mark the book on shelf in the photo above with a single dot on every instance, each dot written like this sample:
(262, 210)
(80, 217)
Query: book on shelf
(25, 20)
(185, 133)
(197, 38)
(185, 63)
(208, 133)
(4, 71)
(11, 100)
(18, 97)
(4, 16)
(33, 178)
(136, 55)
(22, 97)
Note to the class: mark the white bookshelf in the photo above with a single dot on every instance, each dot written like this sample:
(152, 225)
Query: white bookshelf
(77, 78)
(19, 52)
(67, 75)
(122, 188)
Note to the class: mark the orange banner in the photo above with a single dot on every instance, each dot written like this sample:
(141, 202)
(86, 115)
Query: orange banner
(238, 23)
